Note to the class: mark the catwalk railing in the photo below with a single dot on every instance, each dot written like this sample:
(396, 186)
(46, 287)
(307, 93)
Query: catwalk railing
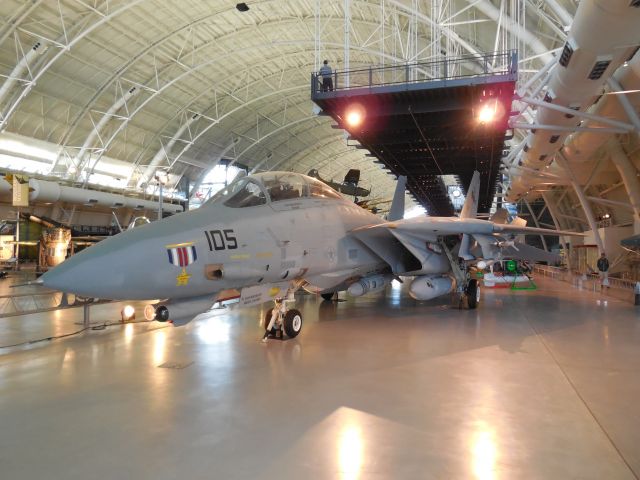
(618, 287)
(503, 63)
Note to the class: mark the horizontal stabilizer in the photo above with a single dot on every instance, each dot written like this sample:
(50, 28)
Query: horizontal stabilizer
(522, 251)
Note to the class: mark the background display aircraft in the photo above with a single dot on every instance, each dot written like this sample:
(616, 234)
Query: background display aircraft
(267, 235)
(348, 187)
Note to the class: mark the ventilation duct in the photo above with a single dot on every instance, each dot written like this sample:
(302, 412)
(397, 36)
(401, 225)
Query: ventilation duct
(603, 35)
(565, 56)
(598, 69)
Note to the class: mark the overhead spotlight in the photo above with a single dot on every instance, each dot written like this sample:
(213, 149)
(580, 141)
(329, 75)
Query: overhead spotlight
(489, 111)
(456, 193)
(354, 116)
(242, 7)
(72, 169)
(354, 119)
(606, 216)
(128, 313)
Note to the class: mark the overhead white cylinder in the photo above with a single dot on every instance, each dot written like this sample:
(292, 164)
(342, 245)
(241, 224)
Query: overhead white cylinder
(45, 191)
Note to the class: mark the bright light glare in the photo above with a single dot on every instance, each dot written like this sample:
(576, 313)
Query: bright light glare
(354, 115)
(159, 345)
(487, 113)
(485, 454)
(351, 453)
(128, 312)
(354, 118)
(415, 212)
(214, 331)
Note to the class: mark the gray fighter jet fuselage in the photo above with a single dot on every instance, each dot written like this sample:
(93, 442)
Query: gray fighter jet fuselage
(224, 245)
(267, 235)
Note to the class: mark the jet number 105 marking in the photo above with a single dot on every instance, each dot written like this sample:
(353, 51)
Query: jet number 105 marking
(221, 239)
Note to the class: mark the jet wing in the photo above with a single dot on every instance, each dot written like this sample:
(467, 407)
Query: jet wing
(457, 226)
(519, 230)
(414, 234)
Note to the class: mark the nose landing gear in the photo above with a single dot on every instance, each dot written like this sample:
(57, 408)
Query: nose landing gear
(280, 320)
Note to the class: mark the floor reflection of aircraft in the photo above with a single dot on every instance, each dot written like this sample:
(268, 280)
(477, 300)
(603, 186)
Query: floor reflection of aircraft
(267, 235)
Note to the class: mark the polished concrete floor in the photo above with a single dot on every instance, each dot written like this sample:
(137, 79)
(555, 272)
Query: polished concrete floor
(540, 385)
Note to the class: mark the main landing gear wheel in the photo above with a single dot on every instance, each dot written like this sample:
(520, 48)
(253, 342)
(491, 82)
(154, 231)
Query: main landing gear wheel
(327, 296)
(473, 294)
(292, 323)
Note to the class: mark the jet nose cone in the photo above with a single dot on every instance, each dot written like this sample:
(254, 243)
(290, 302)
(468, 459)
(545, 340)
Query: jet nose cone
(88, 274)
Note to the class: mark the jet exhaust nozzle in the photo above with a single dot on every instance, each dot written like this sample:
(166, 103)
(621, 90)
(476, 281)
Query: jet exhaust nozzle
(427, 288)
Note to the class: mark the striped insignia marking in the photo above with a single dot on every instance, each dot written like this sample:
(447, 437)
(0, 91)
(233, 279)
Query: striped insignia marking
(182, 255)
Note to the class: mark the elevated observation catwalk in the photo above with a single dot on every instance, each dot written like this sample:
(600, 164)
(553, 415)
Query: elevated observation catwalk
(426, 120)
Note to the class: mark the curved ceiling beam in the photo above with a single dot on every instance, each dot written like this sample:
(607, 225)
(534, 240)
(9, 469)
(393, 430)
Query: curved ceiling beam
(17, 19)
(268, 135)
(150, 47)
(231, 112)
(320, 144)
(123, 68)
(431, 23)
(27, 88)
(198, 67)
(154, 45)
(118, 74)
(564, 16)
(510, 25)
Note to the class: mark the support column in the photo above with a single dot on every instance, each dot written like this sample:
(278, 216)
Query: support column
(584, 202)
(632, 115)
(535, 221)
(347, 41)
(629, 175)
(318, 26)
(554, 216)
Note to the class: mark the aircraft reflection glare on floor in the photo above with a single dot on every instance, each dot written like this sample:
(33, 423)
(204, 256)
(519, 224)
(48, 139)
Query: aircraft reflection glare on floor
(267, 235)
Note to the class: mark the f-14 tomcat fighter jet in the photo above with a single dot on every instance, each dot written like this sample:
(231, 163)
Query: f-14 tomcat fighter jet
(267, 235)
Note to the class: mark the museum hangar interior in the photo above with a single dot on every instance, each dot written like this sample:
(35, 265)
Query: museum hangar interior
(351, 239)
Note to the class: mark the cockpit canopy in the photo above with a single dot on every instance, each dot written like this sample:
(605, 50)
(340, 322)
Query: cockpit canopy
(262, 188)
